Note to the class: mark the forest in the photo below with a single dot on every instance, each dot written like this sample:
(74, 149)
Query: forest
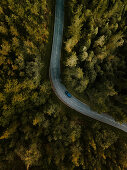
(95, 55)
(37, 131)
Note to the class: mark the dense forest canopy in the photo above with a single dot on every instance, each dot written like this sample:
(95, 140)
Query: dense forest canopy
(95, 57)
(36, 130)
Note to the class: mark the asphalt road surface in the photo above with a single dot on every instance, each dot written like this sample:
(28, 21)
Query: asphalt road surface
(54, 72)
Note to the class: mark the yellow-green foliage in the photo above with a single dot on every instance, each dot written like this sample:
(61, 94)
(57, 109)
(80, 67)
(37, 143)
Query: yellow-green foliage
(24, 32)
(95, 52)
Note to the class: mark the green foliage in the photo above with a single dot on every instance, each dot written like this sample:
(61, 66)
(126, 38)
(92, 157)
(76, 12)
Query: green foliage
(29, 156)
(72, 60)
(36, 130)
(97, 71)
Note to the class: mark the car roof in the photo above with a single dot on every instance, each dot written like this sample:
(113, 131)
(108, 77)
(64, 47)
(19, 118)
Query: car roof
(67, 93)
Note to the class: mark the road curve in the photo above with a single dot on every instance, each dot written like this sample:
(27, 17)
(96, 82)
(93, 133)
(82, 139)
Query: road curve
(54, 72)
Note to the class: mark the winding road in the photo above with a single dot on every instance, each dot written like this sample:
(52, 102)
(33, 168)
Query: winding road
(54, 72)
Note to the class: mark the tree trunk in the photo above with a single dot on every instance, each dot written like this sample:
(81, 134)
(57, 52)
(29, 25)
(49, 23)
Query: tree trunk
(28, 167)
